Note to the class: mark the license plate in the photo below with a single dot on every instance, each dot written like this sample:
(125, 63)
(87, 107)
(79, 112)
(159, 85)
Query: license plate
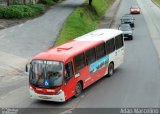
(44, 97)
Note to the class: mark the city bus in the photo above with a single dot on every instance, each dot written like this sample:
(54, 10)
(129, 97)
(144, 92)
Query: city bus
(65, 70)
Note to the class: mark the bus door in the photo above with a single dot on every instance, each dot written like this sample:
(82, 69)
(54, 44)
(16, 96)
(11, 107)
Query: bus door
(119, 53)
(69, 81)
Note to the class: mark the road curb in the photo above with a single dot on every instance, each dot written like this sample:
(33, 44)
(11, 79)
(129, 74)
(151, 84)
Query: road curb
(155, 3)
(108, 19)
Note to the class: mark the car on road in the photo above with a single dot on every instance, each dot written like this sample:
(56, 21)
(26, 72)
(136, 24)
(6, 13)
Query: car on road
(127, 31)
(128, 19)
(135, 10)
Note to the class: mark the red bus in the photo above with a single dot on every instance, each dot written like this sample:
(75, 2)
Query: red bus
(64, 71)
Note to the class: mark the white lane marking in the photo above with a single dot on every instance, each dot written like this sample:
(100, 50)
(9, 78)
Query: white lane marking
(69, 111)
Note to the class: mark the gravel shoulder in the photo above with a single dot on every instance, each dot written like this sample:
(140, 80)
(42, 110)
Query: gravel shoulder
(4, 23)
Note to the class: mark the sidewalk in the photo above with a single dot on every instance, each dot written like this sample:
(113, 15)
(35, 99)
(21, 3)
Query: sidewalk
(108, 19)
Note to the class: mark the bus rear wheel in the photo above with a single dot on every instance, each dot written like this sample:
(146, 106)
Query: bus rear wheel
(78, 89)
(110, 69)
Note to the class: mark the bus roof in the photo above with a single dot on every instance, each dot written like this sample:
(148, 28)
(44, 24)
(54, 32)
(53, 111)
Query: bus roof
(99, 34)
(78, 45)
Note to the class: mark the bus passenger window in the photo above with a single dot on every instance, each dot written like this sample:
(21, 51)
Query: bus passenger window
(79, 62)
(68, 71)
(100, 50)
(119, 41)
(90, 56)
(110, 46)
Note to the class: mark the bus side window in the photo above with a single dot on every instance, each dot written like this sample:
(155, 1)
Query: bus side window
(68, 71)
(100, 50)
(110, 46)
(90, 56)
(79, 62)
(119, 41)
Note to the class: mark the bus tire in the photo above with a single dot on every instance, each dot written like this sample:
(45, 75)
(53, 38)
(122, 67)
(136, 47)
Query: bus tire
(110, 69)
(78, 89)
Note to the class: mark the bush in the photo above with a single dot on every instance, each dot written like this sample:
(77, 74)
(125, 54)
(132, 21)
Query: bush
(21, 11)
(18, 11)
(38, 7)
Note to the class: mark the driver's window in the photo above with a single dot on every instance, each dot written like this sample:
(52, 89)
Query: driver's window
(69, 71)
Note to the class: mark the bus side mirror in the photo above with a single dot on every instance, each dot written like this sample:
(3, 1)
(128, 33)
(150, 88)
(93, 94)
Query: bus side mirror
(77, 75)
(26, 68)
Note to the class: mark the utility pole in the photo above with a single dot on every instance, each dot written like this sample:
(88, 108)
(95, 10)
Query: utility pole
(24, 1)
(90, 2)
(8, 2)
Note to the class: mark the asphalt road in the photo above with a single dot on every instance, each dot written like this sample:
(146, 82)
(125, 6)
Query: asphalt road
(134, 84)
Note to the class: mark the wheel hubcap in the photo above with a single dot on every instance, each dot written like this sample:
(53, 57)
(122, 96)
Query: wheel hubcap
(78, 89)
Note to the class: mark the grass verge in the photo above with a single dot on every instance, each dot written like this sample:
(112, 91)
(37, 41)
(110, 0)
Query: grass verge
(83, 20)
(157, 1)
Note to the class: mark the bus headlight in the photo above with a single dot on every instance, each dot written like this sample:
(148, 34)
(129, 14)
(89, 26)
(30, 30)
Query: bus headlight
(31, 88)
(58, 92)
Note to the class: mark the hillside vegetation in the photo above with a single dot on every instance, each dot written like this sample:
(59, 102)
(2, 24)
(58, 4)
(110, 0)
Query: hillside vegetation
(83, 20)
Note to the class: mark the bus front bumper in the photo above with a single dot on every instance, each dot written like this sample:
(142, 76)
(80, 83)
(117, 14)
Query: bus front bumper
(57, 98)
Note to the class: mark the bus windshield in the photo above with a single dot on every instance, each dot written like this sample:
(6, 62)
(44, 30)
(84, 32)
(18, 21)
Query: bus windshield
(46, 74)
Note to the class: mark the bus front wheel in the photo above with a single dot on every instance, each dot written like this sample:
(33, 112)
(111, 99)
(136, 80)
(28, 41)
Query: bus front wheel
(78, 89)
(110, 69)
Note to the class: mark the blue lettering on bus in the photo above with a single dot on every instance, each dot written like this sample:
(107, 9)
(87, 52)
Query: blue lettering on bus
(99, 64)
